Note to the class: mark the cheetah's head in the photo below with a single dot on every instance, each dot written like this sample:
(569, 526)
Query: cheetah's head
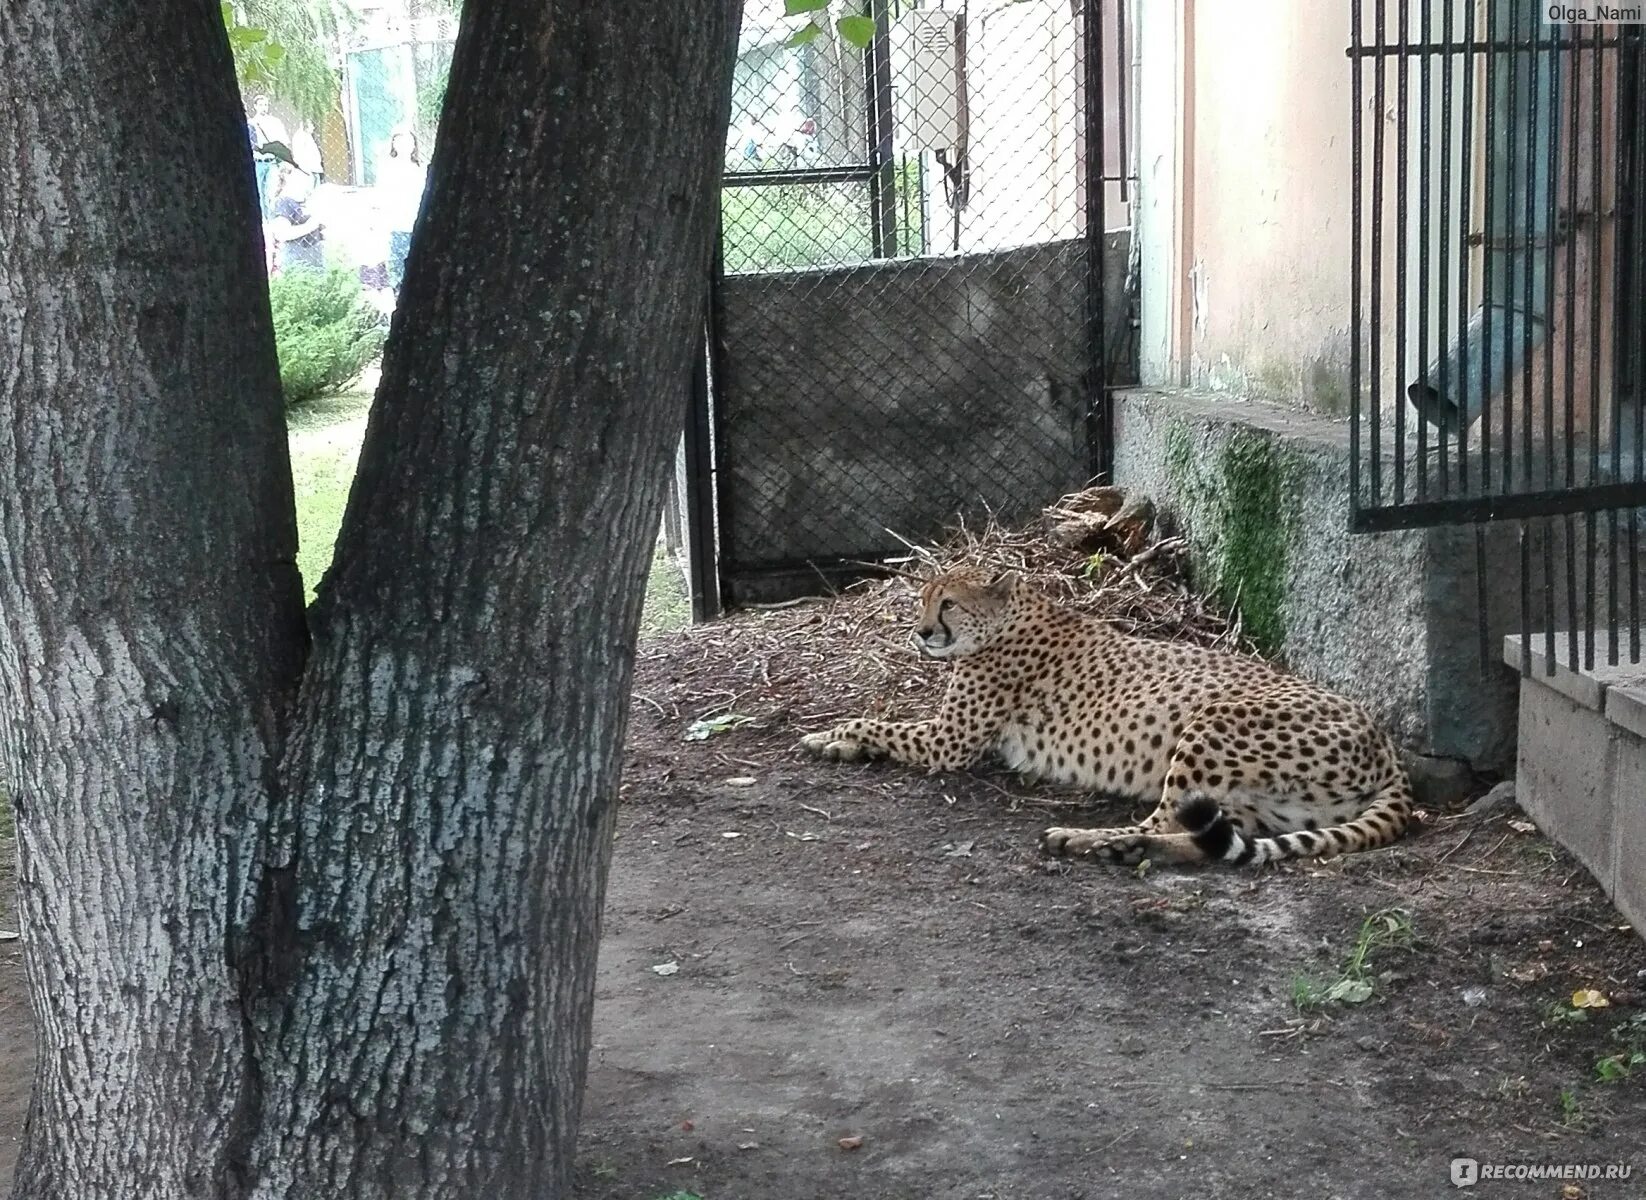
(962, 611)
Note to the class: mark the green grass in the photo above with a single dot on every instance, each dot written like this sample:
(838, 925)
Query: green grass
(1387, 929)
(325, 439)
(325, 443)
(668, 608)
(801, 226)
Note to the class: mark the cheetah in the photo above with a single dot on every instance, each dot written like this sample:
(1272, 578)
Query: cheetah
(1249, 765)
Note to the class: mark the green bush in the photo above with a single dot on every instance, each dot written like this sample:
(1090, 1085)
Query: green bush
(325, 331)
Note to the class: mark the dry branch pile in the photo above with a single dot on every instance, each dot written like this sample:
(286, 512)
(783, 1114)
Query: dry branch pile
(850, 654)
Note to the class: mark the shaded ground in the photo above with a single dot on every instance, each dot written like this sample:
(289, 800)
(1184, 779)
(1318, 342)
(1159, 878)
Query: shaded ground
(879, 954)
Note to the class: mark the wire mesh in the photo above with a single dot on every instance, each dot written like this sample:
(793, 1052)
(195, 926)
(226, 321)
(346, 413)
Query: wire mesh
(908, 312)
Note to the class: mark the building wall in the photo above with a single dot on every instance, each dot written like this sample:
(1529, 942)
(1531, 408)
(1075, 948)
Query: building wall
(1245, 112)
(1246, 196)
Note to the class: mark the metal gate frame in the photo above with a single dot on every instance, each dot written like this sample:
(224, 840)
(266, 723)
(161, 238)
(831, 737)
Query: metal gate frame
(1533, 221)
(713, 558)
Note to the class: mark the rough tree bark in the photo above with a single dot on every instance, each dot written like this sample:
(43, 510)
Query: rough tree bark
(311, 902)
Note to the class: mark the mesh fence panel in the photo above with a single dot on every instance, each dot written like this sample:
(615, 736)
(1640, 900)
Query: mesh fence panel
(907, 318)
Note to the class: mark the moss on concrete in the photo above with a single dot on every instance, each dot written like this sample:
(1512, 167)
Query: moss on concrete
(1238, 517)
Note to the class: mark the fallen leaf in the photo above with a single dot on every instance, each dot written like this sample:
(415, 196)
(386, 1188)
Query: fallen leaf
(850, 1143)
(680, 1162)
(963, 850)
(1571, 1191)
(741, 781)
(1350, 991)
(1589, 998)
(1529, 972)
(1474, 997)
(1545, 946)
(1522, 827)
(706, 727)
(668, 968)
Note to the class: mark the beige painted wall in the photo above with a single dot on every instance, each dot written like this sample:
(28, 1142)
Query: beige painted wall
(1246, 119)
(1268, 249)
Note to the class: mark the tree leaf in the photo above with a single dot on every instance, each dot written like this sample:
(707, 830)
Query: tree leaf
(859, 31)
(806, 33)
(1350, 991)
(793, 8)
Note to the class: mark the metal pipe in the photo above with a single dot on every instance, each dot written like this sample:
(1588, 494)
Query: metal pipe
(1512, 321)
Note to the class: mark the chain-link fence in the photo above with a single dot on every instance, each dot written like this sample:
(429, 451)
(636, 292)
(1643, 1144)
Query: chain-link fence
(920, 299)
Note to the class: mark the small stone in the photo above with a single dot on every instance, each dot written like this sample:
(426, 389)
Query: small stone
(1438, 783)
(1501, 796)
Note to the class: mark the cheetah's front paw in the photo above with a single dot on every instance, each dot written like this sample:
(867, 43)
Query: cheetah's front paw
(1071, 843)
(831, 743)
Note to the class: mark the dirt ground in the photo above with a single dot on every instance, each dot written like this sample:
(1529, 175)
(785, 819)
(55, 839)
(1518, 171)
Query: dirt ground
(864, 952)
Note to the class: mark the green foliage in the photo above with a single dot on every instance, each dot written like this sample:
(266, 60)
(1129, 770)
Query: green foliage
(285, 47)
(431, 95)
(855, 28)
(257, 56)
(324, 331)
(1241, 511)
(1386, 929)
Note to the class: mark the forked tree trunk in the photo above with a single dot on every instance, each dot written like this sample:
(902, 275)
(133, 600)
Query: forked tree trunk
(327, 927)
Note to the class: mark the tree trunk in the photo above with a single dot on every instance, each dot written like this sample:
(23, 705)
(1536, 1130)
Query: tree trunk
(152, 615)
(340, 942)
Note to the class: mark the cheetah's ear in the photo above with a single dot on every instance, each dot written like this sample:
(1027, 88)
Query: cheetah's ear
(1003, 583)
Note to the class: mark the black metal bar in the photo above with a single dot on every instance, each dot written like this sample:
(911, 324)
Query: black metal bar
(1465, 47)
(1596, 73)
(1510, 507)
(1482, 602)
(1099, 415)
(1466, 185)
(1549, 656)
(1122, 80)
(1443, 272)
(883, 183)
(1571, 593)
(1507, 112)
(1533, 120)
(1575, 63)
(702, 565)
(1589, 590)
(720, 382)
(1402, 251)
(744, 179)
(1525, 601)
(1488, 295)
(1424, 134)
(1633, 321)
(1357, 91)
(1379, 108)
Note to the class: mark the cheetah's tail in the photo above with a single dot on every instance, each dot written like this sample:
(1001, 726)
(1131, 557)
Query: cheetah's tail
(1385, 817)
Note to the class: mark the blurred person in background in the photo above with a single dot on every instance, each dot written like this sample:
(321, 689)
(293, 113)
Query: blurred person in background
(403, 176)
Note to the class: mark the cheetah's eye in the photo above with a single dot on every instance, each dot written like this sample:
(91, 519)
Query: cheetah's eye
(945, 606)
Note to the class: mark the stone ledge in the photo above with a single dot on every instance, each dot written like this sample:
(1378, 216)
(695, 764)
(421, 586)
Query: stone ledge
(1618, 692)
(1388, 619)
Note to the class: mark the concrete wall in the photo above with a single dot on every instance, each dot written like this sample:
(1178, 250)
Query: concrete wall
(897, 394)
(1261, 491)
(1582, 768)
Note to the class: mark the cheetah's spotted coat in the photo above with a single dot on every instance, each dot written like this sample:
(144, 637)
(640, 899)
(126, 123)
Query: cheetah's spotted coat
(1248, 764)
